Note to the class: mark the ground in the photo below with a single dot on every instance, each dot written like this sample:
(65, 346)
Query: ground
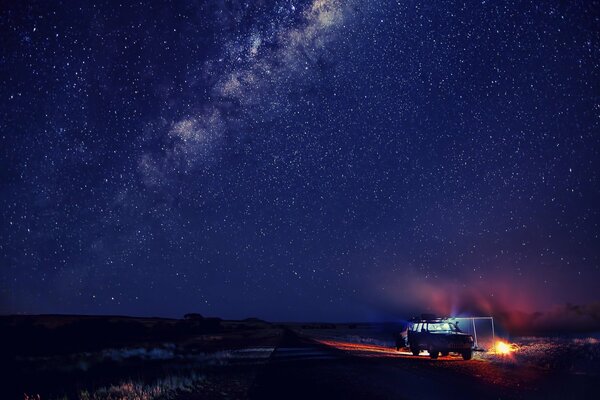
(257, 360)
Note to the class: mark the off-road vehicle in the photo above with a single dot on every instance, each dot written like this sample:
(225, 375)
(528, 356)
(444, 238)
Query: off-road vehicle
(438, 336)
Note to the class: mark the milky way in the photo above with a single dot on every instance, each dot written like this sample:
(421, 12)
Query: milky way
(250, 79)
(316, 160)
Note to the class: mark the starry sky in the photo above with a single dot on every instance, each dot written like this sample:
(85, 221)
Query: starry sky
(299, 159)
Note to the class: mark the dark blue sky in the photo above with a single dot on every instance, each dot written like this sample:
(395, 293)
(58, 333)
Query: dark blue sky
(298, 159)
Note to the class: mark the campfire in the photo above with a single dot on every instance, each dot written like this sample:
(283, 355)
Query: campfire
(503, 348)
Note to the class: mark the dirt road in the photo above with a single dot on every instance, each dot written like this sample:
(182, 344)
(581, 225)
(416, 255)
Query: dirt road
(303, 368)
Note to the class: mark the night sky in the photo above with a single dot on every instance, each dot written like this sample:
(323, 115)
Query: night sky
(299, 159)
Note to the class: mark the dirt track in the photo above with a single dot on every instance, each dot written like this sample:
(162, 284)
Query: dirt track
(303, 368)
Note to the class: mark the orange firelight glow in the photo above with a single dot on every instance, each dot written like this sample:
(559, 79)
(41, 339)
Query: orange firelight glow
(367, 350)
(504, 348)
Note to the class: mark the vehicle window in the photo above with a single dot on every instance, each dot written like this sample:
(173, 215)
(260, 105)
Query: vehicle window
(442, 327)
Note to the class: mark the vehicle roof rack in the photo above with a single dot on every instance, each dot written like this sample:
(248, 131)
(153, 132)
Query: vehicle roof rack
(429, 318)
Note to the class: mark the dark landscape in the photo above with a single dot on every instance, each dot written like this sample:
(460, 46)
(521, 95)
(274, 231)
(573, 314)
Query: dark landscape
(105, 358)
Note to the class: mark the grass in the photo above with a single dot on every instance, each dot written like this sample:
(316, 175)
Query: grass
(162, 389)
(117, 368)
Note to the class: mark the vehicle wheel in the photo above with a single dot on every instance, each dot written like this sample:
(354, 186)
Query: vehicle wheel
(467, 355)
(415, 352)
(445, 353)
(434, 354)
